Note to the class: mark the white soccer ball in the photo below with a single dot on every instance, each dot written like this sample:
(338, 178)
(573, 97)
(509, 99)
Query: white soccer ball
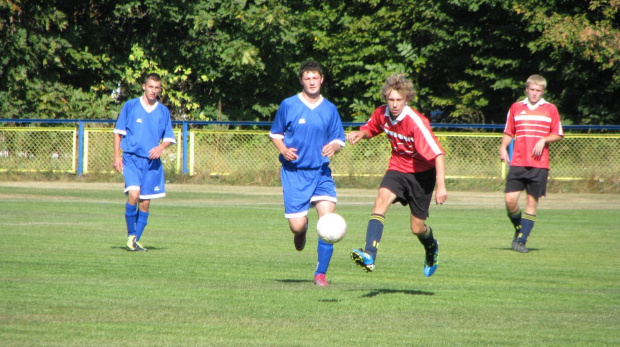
(331, 228)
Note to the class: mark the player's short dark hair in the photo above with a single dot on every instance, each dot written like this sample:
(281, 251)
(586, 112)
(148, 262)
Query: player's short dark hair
(152, 76)
(310, 65)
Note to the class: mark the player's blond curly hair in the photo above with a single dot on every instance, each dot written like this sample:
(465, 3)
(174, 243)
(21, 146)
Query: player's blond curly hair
(401, 84)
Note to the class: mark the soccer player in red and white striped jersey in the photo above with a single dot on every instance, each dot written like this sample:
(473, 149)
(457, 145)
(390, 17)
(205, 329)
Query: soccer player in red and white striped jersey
(533, 123)
(416, 165)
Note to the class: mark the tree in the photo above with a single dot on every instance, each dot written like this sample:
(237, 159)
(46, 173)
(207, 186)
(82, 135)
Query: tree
(581, 41)
(35, 56)
(236, 60)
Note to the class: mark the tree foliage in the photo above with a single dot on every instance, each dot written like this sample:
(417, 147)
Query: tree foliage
(581, 42)
(237, 60)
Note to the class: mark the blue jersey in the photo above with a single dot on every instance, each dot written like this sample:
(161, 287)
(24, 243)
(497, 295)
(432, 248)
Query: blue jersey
(308, 128)
(142, 130)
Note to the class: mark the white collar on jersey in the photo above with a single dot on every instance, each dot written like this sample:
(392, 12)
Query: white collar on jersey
(406, 111)
(307, 103)
(526, 102)
(147, 107)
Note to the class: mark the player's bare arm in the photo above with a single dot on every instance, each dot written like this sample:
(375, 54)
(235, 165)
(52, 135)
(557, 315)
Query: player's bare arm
(354, 136)
(289, 154)
(540, 145)
(155, 152)
(503, 149)
(330, 149)
(441, 194)
(118, 159)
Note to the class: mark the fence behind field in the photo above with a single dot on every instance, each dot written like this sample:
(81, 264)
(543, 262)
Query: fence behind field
(87, 147)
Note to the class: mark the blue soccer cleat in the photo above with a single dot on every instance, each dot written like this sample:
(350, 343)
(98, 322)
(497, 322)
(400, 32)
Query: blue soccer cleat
(431, 260)
(363, 259)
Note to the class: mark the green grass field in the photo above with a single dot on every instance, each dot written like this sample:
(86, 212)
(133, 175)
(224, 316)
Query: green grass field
(222, 271)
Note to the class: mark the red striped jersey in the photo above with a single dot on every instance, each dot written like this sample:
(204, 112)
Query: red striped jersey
(414, 146)
(528, 124)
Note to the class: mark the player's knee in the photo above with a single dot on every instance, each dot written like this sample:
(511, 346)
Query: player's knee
(418, 228)
(418, 231)
(381, 205)
(298, 225)
(133, 200)
(511, 204)
(144, 205)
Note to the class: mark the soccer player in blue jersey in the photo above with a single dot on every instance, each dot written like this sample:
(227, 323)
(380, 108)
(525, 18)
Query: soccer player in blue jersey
(307, 131)
(143, 130)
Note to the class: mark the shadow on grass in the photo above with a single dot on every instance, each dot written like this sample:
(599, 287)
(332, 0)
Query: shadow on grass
(294, 281)
(510, 249)
(374, 293)
(123, 248)
(329, 300)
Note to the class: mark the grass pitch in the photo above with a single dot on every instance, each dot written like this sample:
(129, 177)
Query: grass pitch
(221, 270)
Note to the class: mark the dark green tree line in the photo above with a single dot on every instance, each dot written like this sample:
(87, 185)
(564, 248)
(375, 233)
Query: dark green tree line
(237, 59)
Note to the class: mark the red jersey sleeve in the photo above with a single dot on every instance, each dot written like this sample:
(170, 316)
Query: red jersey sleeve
(426, 144)
(556, 125)
(374, 126)
(509, 129)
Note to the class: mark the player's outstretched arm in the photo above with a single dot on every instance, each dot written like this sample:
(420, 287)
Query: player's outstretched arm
(354, 136)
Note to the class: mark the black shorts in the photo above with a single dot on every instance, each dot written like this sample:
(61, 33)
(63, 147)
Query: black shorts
(413, 189)
(532, 179)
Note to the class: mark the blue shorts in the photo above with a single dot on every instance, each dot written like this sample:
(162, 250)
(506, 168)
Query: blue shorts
(145, 175)
(304, 188)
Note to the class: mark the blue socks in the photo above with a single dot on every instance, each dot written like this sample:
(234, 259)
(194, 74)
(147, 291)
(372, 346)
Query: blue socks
(427, 239)
(141, 223)
(131, 213)
(136, 220)
(515, 218)
(374, 232)
(527, 224)
(324, 251)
